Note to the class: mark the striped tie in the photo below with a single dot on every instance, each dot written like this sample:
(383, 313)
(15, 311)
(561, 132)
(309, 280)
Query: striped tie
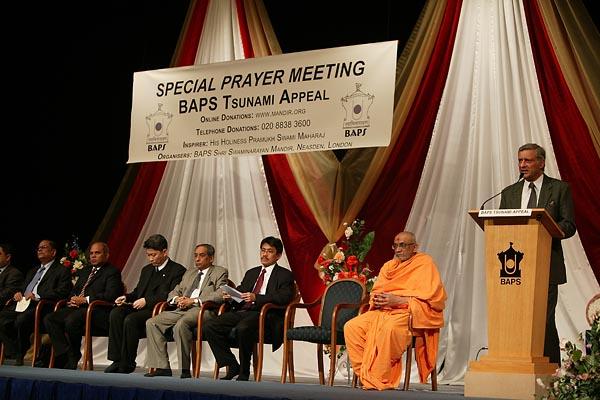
(85, 285)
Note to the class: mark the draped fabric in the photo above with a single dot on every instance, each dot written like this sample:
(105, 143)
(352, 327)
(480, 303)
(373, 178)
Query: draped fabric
(476, 80)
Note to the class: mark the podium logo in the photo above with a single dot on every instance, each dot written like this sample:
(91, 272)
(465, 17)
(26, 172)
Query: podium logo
(510, 270)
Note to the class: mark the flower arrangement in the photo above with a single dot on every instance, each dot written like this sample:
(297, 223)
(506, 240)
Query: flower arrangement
(579, 375)
(347, 260)
(74, 257)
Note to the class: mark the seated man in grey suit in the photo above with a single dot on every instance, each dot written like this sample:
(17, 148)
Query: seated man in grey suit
(197, 285)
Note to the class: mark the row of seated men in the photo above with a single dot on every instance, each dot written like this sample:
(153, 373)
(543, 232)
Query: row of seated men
(131, 317)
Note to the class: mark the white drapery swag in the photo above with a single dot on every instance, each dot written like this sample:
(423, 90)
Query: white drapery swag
(491, 105)
(221, 201)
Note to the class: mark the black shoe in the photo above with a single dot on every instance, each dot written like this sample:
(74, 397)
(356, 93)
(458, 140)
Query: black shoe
(19, 361)
(234, 370)
(112, 368)
(40, 363)
(242, 377)
(186, 374)
(127, 369)
(60, 361)
(159, 372)
(71, 363)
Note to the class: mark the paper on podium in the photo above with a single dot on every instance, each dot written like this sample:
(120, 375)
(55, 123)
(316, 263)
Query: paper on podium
(22, 305)
(233, 292)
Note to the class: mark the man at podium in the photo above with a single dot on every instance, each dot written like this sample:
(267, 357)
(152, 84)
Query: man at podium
(537, 190)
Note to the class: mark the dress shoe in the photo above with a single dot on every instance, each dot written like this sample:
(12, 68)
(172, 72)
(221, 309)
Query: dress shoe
(40, 363)
(159, 372)
(234, 370)
(242, 377)
(185, 374)
(71, 364)
(112, 368)
(19, 361)
(127, 369)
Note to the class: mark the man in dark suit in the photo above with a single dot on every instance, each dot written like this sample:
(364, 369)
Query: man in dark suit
(198, 285)
(98, 281)
(50, 281)
(11, 279)
(128, 319)
(268, 283)
(537, 190)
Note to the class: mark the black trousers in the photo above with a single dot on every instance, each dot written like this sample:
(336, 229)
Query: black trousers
(16, 328)
(127, 326)
(66, 327)
(551, 340)
(217, 331)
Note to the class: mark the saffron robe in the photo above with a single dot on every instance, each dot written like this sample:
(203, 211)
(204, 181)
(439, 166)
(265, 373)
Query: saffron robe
(377, 338)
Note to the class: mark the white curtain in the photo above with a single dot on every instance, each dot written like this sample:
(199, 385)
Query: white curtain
(491, 105)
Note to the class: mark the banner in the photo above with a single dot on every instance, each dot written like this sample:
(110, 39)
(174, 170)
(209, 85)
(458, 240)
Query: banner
(309, 101)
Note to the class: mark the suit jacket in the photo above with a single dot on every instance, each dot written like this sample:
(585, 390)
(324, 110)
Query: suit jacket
(215, 278)
(170, 276)
(555, 197)
(56, 283)
(280, 290)
(11, 280)
(105, 285)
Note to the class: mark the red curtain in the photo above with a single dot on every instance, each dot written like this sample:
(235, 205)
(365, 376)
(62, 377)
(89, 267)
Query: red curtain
(391, 199)
(132, 217)
(577, 159)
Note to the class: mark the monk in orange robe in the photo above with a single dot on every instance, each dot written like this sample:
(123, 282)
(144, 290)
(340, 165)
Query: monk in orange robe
(408, 285)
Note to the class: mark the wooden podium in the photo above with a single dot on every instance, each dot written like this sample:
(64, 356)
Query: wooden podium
(517, 263)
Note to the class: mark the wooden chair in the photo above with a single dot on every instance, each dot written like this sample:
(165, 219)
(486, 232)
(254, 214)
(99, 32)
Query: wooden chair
(339, 303)
(409, 351)
(264, 335)
(38, 328)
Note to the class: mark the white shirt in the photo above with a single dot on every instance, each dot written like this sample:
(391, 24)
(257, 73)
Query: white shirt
(268, 272)
(527, 191)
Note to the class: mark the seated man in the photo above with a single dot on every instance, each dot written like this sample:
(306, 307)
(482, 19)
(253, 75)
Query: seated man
(407, 285)
(50, 281)
(128, 319)
(268, 283)
(198, 285)
(98, 281)
(11, 279)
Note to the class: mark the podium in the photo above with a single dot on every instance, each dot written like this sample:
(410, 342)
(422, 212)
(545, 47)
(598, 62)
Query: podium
(517, 267)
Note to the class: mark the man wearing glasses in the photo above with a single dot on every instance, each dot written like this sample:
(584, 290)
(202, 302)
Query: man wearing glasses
(268, 283)
(409, 285)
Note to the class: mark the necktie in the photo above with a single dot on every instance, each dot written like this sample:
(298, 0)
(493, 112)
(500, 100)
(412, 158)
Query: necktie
(257, 287)
(85, 285)
(532, 203)
(35, 280)
(195, 284)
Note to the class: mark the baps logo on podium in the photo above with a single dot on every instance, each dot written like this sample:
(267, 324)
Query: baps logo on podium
(510, 270)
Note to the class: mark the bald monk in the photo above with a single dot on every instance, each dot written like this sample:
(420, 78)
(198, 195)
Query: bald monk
(408, 284)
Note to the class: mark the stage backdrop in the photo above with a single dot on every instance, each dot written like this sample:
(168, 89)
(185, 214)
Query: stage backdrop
(475, 81)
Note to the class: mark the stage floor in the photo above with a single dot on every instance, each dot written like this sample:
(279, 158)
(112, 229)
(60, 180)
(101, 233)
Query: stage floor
(269, 388)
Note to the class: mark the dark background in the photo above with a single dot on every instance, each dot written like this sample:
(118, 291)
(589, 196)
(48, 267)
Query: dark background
(67, 84)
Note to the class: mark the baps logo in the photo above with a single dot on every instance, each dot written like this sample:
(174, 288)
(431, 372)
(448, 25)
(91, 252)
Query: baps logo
(158, 123)
(510, 269)
(357, 119)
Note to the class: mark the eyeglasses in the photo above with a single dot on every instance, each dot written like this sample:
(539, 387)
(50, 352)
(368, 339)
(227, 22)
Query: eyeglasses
(43, 247)
(268, 251)
(401, 245)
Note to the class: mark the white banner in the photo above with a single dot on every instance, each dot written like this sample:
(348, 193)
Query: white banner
(310, 101)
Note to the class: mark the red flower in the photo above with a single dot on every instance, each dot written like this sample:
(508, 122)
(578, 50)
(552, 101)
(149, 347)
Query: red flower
(67, 263)
(352, 262)
(73, 254)
(320, 259)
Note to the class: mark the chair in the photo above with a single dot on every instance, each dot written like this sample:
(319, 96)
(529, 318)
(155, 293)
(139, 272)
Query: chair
(339, 303)
(37, 328)
(409, 351)
(264, 336)
(197, 349)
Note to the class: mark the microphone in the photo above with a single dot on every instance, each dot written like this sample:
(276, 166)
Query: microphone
(502, 191)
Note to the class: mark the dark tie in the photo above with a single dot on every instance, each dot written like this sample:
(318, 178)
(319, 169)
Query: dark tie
(35, 280)
(532, 203)
(257, 287)
(194, 284)
(85, 285)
